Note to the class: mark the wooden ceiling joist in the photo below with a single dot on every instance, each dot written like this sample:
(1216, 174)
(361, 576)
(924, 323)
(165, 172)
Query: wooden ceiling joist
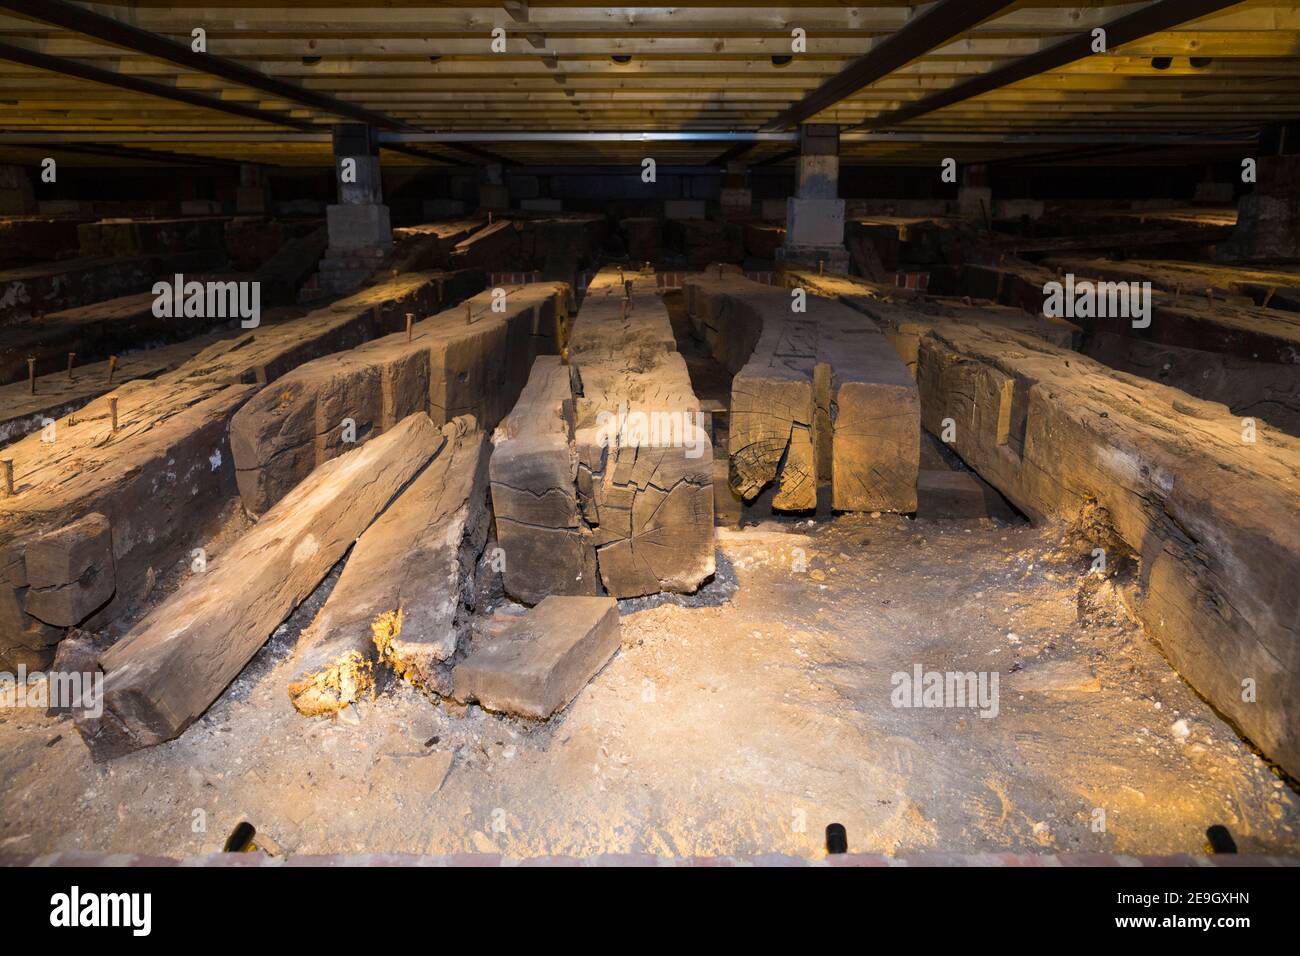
(984, 72)
(69, 16)
(937, 25)
(1158, 16)
(84, 71)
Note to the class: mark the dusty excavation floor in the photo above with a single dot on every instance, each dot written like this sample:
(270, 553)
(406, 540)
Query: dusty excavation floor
(741, 720)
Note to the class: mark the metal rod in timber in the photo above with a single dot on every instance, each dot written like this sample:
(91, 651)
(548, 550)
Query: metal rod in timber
(112, 367)
(8, 466)
(469, 313)
(410, 321)
(31, 373)
(112, 411)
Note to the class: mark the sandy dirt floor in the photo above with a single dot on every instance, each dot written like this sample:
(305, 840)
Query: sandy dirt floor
(740, 720)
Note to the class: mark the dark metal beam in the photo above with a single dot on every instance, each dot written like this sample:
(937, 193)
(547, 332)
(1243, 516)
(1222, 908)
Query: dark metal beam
(149, 155)
(1161, 15)
(479, 153)
(732, 152)
(84, 71)
(109, 30)
(780, 157)
(419, 153)
(939, 24)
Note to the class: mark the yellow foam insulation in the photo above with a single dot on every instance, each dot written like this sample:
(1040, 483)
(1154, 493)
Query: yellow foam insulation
(385, 631)
(345, 681)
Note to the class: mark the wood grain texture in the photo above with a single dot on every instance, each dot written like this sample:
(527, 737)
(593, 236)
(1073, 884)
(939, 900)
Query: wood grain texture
(172, 665)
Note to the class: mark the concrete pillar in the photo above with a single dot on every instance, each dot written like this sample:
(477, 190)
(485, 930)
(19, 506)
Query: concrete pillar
(17, 198)
(1211, 192)
(975, 195)
(736, 198)
(814, 218)
(360, 230)
(493, 194)
(1268, 217)
(252, 195)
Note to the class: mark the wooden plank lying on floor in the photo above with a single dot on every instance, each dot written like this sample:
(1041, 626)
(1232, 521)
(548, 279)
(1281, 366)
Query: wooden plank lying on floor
(58, 394)
(36, 239)
(450, 366)
(1267, 391)
(1262, 335)
(101, 329)
(1239, 285)
(534, 498)
(943, 493)
(146, 237)
(561, 245)
(644, 456)
(400, 600)
(1111, 242)
(606, 478)
(293, 264)
(166, 471)
(494, 248)
(817, 394)
(32, 291)
(893, 309)
(1207, 508)
(172, 665)
(536, 663)
(429, 245)
(93, 332)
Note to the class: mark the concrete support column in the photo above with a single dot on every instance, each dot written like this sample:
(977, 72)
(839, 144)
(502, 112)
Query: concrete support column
(252, 195)
(1268, 217)
(814, 219)
(360, 230)
(1211, 192)
(736, 198)
(17, 198)
(975, 195)
(493, 194)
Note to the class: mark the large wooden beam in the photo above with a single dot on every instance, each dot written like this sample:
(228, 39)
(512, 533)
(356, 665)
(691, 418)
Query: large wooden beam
(173, 664)
(607, 477)
(939, 24)
(448, 367)
(818, 394)
(1158, 16)
(1157, 478)
(399, 602)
